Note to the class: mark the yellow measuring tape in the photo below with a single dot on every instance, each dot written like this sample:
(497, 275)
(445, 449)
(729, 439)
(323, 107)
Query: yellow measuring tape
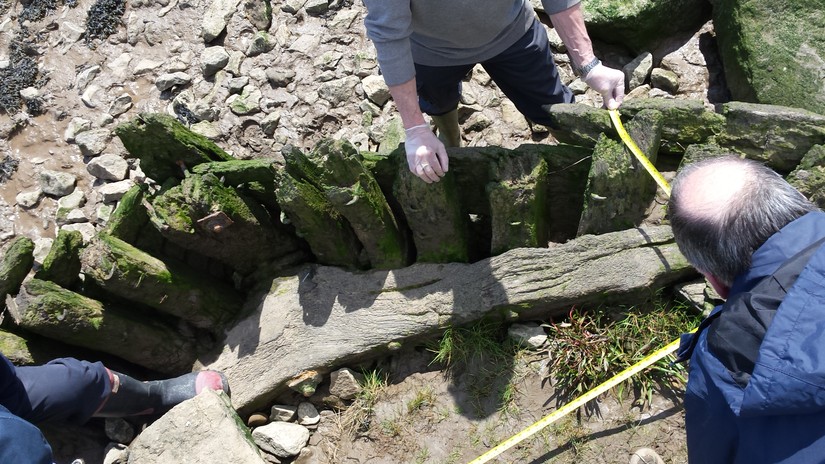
(621, 376)
(617, 122)
(577, 403)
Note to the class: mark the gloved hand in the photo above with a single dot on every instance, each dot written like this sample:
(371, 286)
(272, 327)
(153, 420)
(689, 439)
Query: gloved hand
(426, 155)
(609, 82)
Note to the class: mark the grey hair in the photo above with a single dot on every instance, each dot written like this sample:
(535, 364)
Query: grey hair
(722, 245)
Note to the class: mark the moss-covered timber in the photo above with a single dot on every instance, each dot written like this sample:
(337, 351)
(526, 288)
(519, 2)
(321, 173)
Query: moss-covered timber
(686, 122)
(773, 51)
(434, 213)
(15, 348)
(329, 235)
(255, 177)
(165, 147)
(809, 176)
(517, 204)
(204, 216)
(619, 188)
(130, 216)
(568, 168)
(134, 275)
(62, 264)
(576, 124)
(353, 191)
(49, 310)
(775, 135)
(16, 263)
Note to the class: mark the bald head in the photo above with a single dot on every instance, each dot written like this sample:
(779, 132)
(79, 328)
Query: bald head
(709, 189)
(722, 209)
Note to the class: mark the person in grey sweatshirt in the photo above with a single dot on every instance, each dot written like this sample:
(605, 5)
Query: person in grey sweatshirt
(426, 47)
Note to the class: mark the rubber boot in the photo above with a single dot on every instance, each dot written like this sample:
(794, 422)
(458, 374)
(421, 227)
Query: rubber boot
(448, 130)
(130, 397)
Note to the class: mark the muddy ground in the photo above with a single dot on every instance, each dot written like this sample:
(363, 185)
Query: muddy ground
(427, 415)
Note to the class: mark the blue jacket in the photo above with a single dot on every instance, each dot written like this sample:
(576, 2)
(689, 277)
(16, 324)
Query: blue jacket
(764, 404)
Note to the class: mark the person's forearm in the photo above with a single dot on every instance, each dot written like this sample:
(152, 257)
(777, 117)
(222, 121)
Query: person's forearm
(406, 100)
(569, 24)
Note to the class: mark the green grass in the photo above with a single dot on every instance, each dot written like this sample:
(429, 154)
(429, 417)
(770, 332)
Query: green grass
(485, 354)
(358, 417)
(461, 345)
(423, 397)
(591, 346)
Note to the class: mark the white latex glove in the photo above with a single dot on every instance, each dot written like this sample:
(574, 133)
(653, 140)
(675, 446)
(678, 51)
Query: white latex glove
(426, 155)
(609, 82)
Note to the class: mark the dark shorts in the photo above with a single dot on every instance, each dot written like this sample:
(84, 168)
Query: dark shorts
(525, 72)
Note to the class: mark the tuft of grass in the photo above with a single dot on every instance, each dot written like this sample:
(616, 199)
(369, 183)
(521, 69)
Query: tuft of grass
(391, 428)
(461, 345)
(423, 397)
(592, 346)
(422, 455)
(357, 419)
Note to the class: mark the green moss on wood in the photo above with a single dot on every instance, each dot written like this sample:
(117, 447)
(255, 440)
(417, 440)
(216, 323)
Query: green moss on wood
(166, 147)
(15, 265)
(62, 264)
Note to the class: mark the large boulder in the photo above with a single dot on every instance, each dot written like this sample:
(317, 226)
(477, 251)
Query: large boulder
(202, 429)
(773, 52)
(640, 25)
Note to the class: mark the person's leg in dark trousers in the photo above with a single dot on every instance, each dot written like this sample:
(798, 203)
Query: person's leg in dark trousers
(527, 74)
(21, 441)
(64, 390)
(439, 90)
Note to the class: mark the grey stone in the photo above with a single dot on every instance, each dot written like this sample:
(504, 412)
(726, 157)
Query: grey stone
(167, 81)
(119, 430)
(216, 17)
(213, 59)
(116, 453)
(261, 43)
(114, 191)
(237, 84)
(85, 77)
(283, 413)
(93, 142)
(120, 105)
(103, 214)
(29, 199)
(292, 6)
(306, 44)
(308, 414)
(280, 77)
(338, 91)
(530, 335)
(376, 89)
(72, 216)
(57, 183)
(202, 429)
(316, 7)
(76, 126)
(248, 102)
(270, 122)
(42, 246)
(108, 167)
(636, 71)
(145, 65)
(86, 229)
(665, 80)
(345, 383)
(283, 439)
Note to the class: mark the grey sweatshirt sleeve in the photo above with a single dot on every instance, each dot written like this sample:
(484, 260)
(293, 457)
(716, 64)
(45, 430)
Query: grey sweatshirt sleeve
(389, 25)
(556, 6)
